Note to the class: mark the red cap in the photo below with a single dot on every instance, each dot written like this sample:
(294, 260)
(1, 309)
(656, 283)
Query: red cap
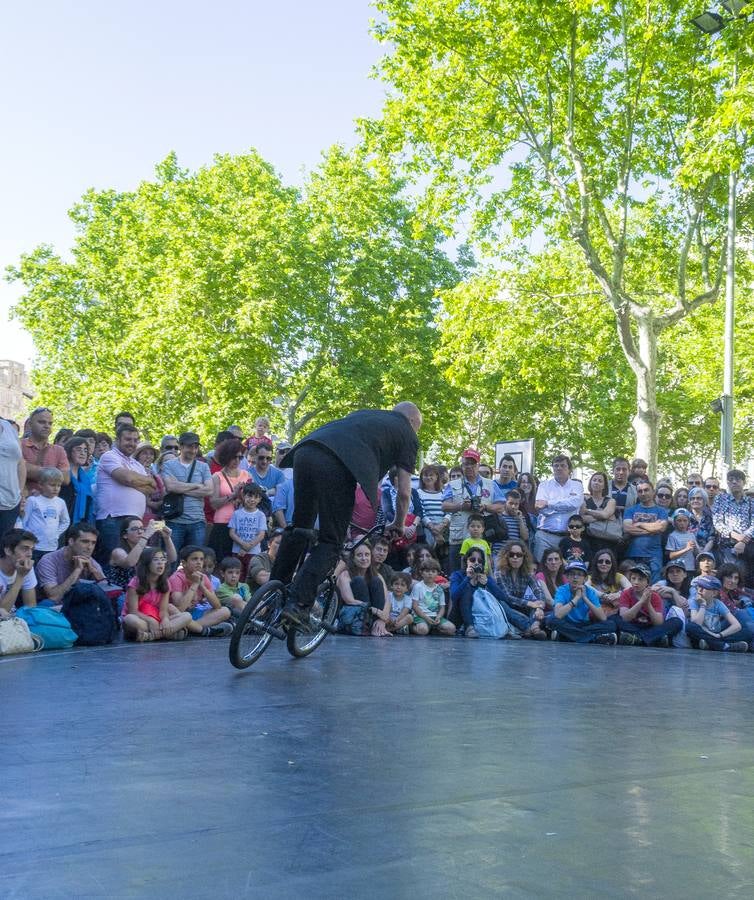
(471, 453)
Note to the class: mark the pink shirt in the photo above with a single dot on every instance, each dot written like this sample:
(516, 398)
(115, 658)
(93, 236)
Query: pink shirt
(223, 514)
(113, 498)
(180, 583)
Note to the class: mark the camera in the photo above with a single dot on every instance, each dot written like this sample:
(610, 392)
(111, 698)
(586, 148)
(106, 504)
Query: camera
(477, 568)
(476, 504)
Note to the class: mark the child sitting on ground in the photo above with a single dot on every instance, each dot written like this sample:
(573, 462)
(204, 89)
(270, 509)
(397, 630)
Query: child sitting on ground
(401, 615)
(45, 514)
(149, 615)
(428, 602)
(233, 592)
(475, 538)
(191, 591)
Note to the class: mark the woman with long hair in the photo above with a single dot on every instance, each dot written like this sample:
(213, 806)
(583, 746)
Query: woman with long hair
(135, 538)
(472, 575)
(435, 521)
(598, 509)
(606, 580)
(365, 608)
(149, 614)
(515, 574)
(551, 574)
(527, 487)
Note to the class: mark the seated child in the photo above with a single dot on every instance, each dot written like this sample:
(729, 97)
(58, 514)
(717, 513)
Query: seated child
(45, 514)
(475, 529)
(428, 602)
(713, 626)
(233, 592)
(705, 565)
(401, 616)
(148, 613)
(191, 591)
(642, 613)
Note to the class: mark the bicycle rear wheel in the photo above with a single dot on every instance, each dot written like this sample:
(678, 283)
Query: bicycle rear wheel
(250, 636)
(302, 643)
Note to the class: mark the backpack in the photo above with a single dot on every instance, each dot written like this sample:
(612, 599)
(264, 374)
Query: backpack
(51, 626)
(488, 616)
(90, 612)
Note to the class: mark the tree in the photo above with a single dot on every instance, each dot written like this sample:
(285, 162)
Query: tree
(610, 125)
(204, 298)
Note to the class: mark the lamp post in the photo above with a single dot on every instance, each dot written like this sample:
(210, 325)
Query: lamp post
(710, 23)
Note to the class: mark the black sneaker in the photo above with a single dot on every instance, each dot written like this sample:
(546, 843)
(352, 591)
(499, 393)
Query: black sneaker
(629, 640)
(296, 615)
(224, 629)
(610, 639)
(738, 647)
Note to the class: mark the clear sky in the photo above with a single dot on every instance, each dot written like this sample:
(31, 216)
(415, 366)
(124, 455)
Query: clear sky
(94, 94)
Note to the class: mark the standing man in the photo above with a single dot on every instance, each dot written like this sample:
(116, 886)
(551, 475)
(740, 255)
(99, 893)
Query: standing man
(327, 466)
(620, 489)
(263, 472)
(39, 453)
(645, 523)
(190, 477)
(733, 518)
(507, 477)
(464, 495)
(558, 498)
(123, 486)
(712, 486)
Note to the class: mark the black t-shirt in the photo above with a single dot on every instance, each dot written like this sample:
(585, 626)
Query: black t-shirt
(368, 442)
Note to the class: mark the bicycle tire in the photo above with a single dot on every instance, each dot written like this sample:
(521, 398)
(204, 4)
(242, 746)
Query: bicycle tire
(302, 643)
(262, 609)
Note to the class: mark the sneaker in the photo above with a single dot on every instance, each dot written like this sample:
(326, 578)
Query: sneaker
(610, 639)
(536, 635)
(514, 634)
(224, 629)
(629, 640)
(738, 647)
(296, 615)
(180, 635)
(471, 632)
(553, 635)
(703, 645)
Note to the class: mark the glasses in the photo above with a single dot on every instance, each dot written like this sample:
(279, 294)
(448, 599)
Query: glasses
(575, 527)
(605, 562)
(515, 555)
(263, 458)
(662, 496)
(136, 528)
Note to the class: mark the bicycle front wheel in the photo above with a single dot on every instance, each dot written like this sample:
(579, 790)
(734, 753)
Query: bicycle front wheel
(251, 636)
(325, 610)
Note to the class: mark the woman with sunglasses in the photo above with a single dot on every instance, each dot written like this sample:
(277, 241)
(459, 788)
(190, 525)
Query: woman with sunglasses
(515, 574)
(701, 525)
(471, 575)
(607, 581)
(227, 485)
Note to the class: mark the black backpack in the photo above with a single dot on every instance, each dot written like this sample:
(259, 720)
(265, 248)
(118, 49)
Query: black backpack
(90, 612)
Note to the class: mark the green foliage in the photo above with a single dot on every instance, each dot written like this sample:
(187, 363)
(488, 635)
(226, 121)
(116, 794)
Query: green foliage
(200, 298)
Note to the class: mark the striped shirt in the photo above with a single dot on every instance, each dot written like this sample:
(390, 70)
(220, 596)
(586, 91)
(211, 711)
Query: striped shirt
(431, 504)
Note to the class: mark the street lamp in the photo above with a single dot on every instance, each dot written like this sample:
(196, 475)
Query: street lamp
(711, 23)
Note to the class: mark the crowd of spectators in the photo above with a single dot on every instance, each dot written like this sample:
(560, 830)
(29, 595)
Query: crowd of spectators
(178, 540)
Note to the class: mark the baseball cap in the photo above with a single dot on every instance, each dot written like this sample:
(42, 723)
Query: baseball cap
(575, 565)
(705, 554)
(681, 511)
(709, 582)
(641, 569)
(189, 437)
(471, 453)
(284, 445)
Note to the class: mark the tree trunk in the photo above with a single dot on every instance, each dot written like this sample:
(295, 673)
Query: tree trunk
(646, 422)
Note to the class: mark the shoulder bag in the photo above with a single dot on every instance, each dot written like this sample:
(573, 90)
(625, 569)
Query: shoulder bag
(15, 637)
(172, 504)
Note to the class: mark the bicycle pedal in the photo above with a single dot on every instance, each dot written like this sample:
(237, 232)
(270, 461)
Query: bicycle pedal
(279, 633)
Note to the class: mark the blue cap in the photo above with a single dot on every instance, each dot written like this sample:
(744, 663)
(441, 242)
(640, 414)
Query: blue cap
(709, 582)
(575, 565)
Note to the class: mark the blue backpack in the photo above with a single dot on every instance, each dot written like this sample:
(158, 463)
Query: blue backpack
(489, 619)
(90, 612)
(53, 627)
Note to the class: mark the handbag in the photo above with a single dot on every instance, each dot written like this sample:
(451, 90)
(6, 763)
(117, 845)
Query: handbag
(53, 627)
(606, 530)
(172, 504)
(15, 637)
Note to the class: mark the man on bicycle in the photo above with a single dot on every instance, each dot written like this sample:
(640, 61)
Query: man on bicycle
(327, 466)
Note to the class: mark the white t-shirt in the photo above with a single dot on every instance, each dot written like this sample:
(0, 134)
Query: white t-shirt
(46, 518)
(397, 606)
(29, 582)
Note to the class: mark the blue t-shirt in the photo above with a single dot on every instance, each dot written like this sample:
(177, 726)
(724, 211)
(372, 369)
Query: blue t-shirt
(715, 615)
(283, 499)
(580, 613)
(271, 480)
(648, 544)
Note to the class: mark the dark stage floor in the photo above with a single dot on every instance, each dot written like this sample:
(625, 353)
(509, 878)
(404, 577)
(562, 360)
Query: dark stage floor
(400, 768)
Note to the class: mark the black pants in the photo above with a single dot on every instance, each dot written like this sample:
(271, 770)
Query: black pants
(8, 519)
(322, 486)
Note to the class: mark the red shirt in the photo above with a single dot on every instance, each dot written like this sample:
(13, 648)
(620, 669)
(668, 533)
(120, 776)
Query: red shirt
(49, 456)
(629, 598)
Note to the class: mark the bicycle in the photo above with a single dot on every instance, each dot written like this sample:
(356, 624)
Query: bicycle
(261, 619)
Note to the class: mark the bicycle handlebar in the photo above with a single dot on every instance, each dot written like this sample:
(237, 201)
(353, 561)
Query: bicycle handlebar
(350, 546)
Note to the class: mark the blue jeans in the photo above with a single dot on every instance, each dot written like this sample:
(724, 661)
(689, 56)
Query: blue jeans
(652, 634)
(697, 633)
(580, 634)
(185, 533)
(108, 531)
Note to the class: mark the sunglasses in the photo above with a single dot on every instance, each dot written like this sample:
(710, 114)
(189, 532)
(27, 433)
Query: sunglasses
(515, 555)
(662, 496)
(605, 562)
(575, 527)
(263, 458)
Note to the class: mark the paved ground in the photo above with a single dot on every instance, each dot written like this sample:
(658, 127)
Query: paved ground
(401, 768)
